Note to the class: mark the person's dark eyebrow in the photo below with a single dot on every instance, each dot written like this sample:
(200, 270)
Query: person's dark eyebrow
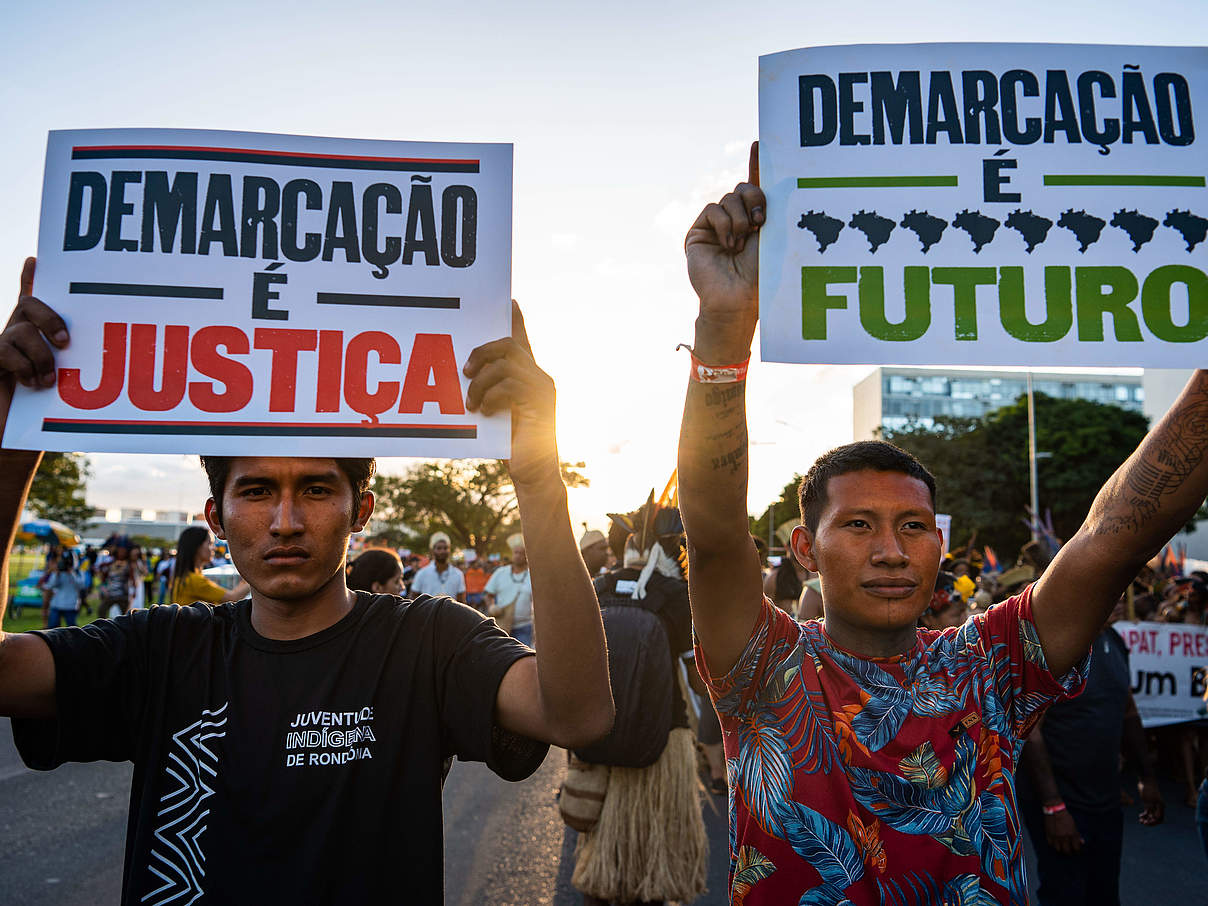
(248, 480)
(331, 477)
(866, 511)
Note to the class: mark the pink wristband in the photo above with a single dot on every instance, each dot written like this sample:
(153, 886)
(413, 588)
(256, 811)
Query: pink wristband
(1054, 809)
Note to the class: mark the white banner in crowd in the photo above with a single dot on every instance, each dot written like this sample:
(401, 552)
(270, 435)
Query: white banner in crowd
(984, 204)
(245, 293)
(1167, 663)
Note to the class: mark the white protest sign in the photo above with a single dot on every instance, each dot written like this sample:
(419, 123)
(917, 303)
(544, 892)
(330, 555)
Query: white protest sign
(943, 522)
(1167, 664)
(984, 204)
(238, 293)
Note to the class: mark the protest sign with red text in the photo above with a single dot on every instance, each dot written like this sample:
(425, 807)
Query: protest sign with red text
(245, 293)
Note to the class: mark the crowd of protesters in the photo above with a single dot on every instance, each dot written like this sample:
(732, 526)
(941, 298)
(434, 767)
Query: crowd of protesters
(1071, 787)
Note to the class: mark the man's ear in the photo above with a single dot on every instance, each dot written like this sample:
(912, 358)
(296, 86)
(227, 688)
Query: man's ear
(214, 519)
(364, 511)
(802, 544)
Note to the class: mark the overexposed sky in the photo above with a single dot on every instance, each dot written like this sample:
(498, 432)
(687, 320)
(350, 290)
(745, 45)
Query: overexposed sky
(626, 118)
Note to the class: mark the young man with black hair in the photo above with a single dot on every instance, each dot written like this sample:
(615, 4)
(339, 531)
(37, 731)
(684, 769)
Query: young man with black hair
(872, 761)
(288, 748)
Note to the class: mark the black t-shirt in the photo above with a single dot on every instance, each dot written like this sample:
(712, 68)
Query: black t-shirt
(303, 771)
(1083, 735)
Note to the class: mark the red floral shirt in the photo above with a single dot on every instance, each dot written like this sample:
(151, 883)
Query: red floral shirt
(881, 781)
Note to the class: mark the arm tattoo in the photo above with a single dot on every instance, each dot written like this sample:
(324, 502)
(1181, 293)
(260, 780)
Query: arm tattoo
(1163, 464)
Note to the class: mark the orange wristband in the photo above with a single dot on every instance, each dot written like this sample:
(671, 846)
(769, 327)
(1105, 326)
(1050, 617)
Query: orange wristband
(715, 374)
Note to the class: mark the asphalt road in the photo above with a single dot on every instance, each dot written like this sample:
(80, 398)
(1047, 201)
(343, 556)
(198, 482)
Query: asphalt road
(62, 833)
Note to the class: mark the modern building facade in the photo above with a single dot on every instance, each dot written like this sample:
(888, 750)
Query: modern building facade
(893, 397)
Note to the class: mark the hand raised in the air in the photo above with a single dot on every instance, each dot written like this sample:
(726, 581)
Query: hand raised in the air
(722, 248)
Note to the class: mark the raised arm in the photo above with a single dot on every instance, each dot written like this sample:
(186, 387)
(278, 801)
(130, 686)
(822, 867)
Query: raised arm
(562, 695)
(723, 566)
(27, 670)
(1143, 504)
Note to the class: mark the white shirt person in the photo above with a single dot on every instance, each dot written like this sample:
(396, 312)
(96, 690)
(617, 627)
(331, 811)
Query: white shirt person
(439, 577)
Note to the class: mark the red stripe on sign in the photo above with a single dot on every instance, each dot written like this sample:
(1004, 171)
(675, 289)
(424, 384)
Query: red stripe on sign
(211, 422)
(299, 154)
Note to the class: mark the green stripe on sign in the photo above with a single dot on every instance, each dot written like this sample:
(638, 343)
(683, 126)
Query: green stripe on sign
(1114, 180)
(874, 182)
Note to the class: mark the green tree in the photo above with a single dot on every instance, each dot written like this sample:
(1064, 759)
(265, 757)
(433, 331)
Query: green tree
(473, 501)
(786, 507)
(981, 465)
(58, 489)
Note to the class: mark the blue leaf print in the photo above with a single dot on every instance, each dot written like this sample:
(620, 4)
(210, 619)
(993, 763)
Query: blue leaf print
(922, 768)
(828, 848)
(1033, 651)
(802, 717)
(764, 773)
(824, 895)
(879, 721)
(958, 794)
(915, 889)
(935, 699)
(994, 839)
(869, 677)
(907, 808)
(966, 890)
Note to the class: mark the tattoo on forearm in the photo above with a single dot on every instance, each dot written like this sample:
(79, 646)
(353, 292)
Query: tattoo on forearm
(719, 396)
(732, 460)
(1163, 466)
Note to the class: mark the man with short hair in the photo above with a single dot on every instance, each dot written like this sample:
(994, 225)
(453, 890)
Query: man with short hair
(873, 761)
(439, 577)
(289, 748)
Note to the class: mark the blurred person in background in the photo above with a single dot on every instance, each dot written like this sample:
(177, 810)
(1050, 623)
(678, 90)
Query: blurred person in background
(163, 571)
(138, 578)
(116, 588)
(509, 594)
(64, 585)
(439, 577)
(476, 583)
(1069, 788)
(194, 551)
(378, 571)
(947, 608)
(785, 582)
(596, 554)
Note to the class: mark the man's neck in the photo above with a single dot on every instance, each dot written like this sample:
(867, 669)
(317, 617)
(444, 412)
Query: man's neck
(866, 643)
(519, 569)
(287, 620)
(440, 567)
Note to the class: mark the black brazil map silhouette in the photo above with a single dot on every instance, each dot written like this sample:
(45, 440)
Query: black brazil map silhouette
(876, 229)
(926, 226)
(1192, 227)
(825, 229)
(1086, 227)
(1032, 227)
(1138, 226)
(981, 228)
